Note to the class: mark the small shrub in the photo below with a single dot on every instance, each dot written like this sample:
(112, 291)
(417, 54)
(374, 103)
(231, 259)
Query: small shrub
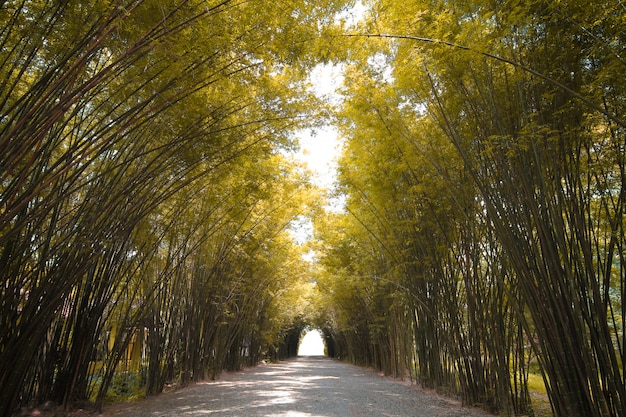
(126, 386)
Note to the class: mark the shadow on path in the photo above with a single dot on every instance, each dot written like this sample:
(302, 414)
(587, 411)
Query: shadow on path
(310, 386)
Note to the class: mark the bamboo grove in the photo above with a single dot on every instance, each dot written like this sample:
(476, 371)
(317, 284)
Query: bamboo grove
(147, 196)
(482, 239)
(145, 193)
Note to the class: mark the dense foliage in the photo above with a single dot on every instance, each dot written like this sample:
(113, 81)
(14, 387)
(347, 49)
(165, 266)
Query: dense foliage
(145, 196)
(484, 170)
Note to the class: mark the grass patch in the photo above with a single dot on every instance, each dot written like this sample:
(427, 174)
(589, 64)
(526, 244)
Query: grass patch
(539, 396)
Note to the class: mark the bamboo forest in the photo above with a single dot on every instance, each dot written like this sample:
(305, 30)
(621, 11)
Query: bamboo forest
(472, 241)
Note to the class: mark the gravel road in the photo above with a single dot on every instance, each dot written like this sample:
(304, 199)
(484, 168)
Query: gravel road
(301, 387)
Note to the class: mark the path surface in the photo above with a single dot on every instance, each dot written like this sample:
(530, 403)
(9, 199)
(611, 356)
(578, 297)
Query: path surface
(301, 387)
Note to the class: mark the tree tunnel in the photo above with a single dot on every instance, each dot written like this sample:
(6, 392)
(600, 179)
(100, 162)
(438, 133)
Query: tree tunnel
(476, 242)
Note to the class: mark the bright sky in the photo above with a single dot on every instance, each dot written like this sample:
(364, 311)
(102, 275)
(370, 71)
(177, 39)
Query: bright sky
(312, 344)
(319, 148)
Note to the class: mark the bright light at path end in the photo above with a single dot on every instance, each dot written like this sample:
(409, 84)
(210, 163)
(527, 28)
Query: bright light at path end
(312, 344)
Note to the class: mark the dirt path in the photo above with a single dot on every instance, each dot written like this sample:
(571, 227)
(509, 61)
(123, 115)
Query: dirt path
(302, 387)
